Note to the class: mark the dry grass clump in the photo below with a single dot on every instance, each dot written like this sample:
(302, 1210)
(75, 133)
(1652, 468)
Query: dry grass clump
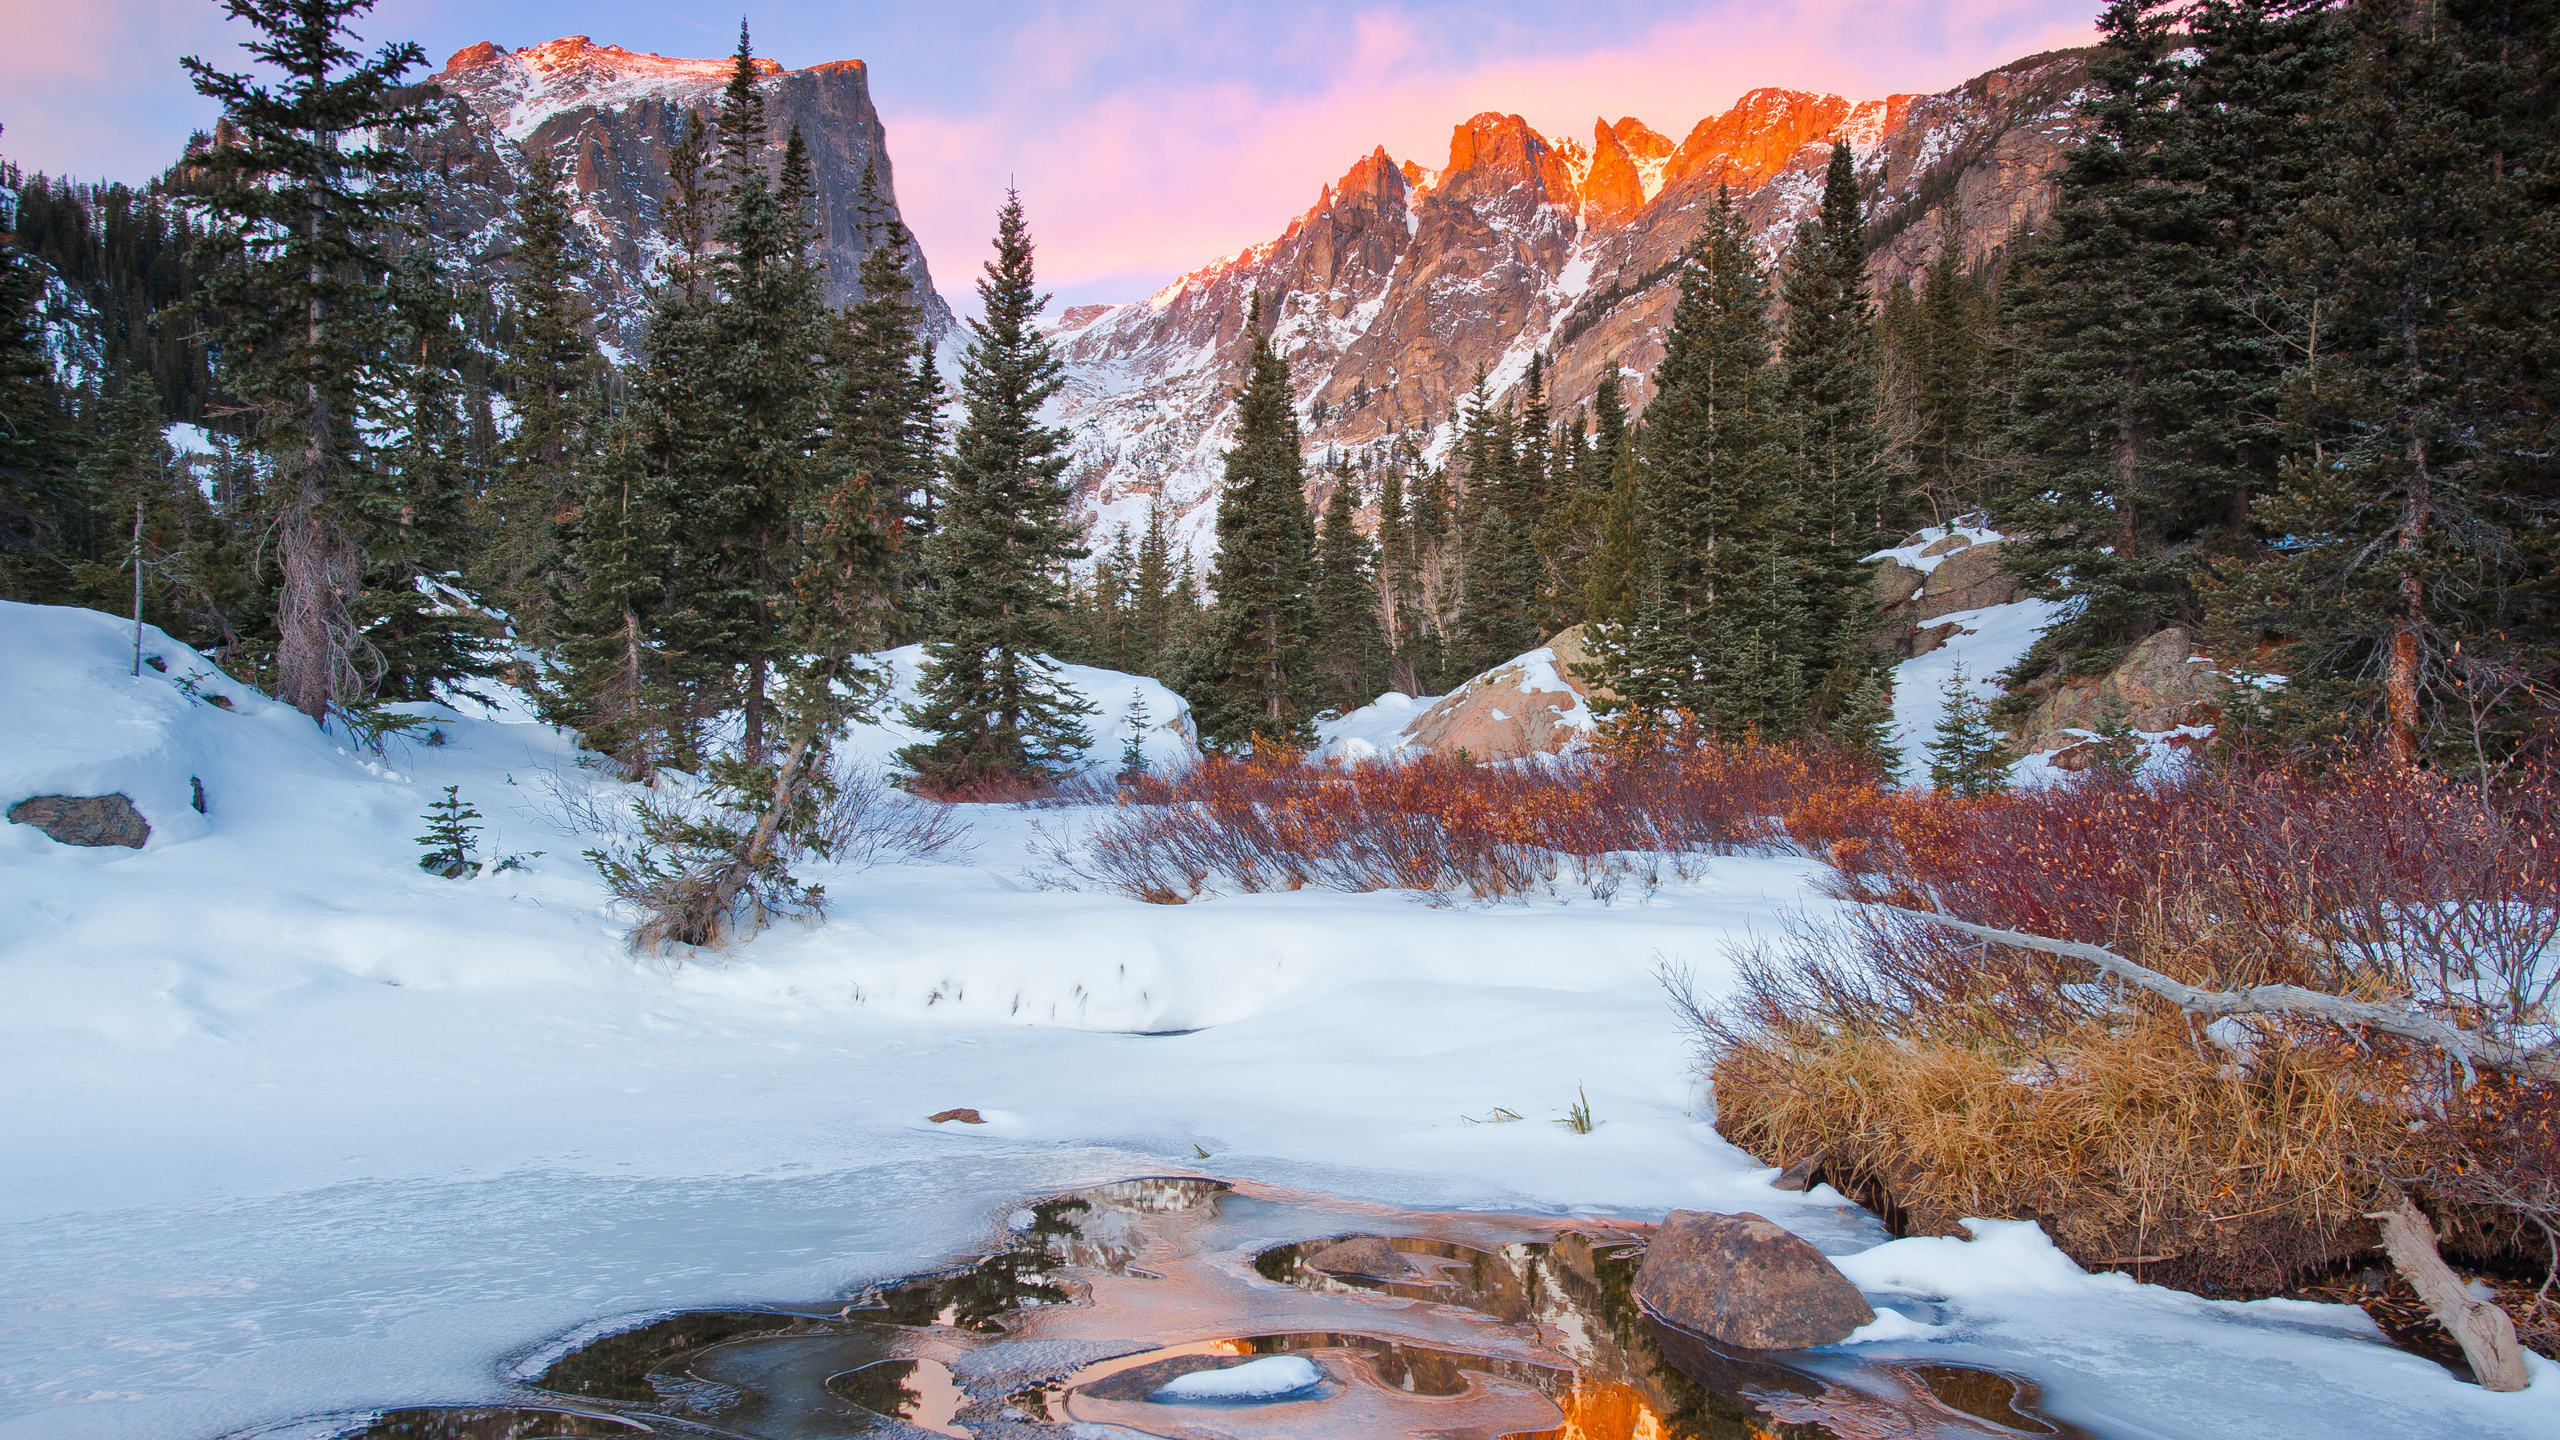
(1949, 1078)
(1273, 823)
(1949, 1084)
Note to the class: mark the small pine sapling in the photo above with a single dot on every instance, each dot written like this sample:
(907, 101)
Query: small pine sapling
(448, 837)
(1964, 755)
(1865, 725)
(2118, 751)
(1133, 749)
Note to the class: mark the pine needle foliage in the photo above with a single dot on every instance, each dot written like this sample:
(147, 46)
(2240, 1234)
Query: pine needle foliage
(1253, 679)
(309, 195)
(449, 836)
(992, 701)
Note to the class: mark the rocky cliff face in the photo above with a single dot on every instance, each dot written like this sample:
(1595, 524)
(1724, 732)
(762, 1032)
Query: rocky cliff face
(614, 114)
(1402, 281)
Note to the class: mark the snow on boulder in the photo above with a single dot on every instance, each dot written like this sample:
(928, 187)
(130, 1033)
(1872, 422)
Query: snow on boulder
(75, 721)
(1532, 704)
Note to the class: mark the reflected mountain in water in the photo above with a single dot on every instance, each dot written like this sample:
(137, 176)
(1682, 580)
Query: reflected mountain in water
(1451, 1325)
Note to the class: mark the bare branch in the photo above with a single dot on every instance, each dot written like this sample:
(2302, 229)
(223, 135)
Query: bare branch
(2470, 1047)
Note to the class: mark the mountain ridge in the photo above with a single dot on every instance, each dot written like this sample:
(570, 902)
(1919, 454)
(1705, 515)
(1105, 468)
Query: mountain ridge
(614, 114)
(1391, 291)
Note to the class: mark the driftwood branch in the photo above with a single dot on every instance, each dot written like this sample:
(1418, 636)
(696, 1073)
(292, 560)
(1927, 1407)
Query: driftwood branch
(2470, 1047)
(2485, 1333)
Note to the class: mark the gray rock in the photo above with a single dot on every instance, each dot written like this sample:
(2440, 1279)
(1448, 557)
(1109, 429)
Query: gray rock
(1742, 1280)
(1368, 1256)
(85, 819)
(1968, 579)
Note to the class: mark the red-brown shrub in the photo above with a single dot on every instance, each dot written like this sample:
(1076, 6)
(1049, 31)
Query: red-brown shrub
(1482, 830)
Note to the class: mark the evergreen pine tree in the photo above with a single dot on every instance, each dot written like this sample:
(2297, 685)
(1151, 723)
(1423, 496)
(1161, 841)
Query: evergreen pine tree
(1500, 579)
(991, 700)
(1964, 753)
(1157, 610)
(309, 191)
(125, 479)
(1719, 632)
(1863, 724)
(551, 371)
(2139, 434)
(1831, 405)
(39, 498)
(449, 835)
(1254, 680)
(883, 436)
(1133, 744)
(2405, 573)
(1350, 653)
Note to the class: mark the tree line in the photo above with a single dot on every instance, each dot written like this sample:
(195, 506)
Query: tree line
(2274, 368)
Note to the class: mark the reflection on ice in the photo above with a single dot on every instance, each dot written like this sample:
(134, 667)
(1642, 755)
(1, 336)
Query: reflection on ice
(1185, 1308)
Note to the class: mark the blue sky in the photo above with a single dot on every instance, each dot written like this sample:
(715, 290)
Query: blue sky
(1147, 137)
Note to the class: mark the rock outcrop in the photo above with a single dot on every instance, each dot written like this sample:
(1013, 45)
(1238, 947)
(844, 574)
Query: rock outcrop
(2160, 685)
(1743, 1280)
(94, 820)
(612, 115)
(1402, 282)
(1534, 704)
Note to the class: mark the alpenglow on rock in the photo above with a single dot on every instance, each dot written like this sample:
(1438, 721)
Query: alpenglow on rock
(614, 114)
(1402, 281)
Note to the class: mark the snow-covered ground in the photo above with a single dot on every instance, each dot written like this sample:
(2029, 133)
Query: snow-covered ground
(294, 1126)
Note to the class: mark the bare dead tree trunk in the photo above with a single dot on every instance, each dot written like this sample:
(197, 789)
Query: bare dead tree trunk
(2486, 1335)
(2400, 671)
(2469, 1048)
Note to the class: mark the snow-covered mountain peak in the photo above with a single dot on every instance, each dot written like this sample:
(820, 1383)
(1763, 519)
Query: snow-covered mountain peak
(521, 89)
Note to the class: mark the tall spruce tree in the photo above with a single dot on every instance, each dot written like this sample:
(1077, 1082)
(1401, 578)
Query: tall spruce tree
(413, 523)
(309, 193)
(1253, 680)
(2406, 574)
(2139, 432)
(764, 340)
(883, 435)
(1350, 652)
(1719, 631)
(1830, 432)
(1498, 605)
(992, 701)
(630, 681)
(38, 493)
(551, 371)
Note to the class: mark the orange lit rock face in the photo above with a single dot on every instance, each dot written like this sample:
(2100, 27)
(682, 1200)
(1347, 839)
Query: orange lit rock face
(1613, 189)
(1402, 282)
(1746, 146)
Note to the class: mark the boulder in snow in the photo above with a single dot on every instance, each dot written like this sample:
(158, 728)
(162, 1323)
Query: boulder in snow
(1966, 579)
(1743, 1280)
(2161, 682)
(85, 819)
(1533, 704)
(1368, 1256)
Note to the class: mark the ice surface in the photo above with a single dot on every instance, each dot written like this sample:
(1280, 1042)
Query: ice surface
(295, 1127)
(1266, 1379)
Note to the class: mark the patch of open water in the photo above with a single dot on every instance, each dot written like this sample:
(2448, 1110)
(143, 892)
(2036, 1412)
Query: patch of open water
(1455, 1325)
